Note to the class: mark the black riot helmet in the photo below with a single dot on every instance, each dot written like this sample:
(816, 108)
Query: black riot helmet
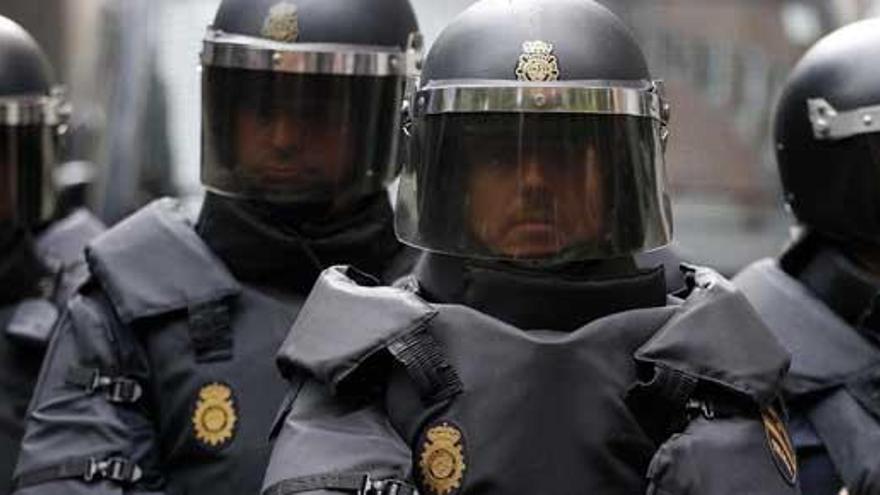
(32, 117)
(302, 98)
(827, 135)
(536, 134)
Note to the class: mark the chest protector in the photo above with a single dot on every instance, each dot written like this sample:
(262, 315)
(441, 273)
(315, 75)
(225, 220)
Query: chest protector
(489, 408)
(203, 347)
(835, 374)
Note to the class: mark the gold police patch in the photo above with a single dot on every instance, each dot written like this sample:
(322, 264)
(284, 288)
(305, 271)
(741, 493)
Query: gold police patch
(214, 418)
(780, 445)
(537, 62)
(282, 23)
(442, 462)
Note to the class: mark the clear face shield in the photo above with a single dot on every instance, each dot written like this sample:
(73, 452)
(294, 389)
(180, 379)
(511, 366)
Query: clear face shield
(300, 122)
(552, 172)
(31, 130)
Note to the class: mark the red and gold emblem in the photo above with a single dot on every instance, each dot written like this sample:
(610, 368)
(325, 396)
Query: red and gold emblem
(780, 445)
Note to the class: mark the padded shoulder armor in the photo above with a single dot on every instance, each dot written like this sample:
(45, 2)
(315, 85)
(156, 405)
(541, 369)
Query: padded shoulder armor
(826, 350)
(346, 320)
(65, 240)
(716, 336)
(32, 322)
(153, 263)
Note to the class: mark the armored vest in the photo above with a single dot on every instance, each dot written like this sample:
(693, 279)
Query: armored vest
(488, 408)
(196, 383)
(835, 375)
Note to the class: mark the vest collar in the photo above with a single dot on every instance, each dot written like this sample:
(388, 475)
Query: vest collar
(563, 300)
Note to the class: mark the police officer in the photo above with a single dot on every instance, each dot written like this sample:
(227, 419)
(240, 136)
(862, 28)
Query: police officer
(528, 353)
(40, 254)
(821, 296)
(160, 378)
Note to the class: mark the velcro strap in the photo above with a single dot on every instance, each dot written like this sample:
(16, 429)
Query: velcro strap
(117, 469)
(357, 483)
(661, 404)
(211, 331)
(422, 356)
(116, 389)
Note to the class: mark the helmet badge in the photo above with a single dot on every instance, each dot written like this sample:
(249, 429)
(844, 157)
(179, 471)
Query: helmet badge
(537, 62)
(282, 23)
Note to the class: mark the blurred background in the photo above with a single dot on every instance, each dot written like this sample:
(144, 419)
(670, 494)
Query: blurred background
(131, 68)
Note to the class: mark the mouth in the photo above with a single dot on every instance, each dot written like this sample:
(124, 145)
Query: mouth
(532, 227)
(287, 170)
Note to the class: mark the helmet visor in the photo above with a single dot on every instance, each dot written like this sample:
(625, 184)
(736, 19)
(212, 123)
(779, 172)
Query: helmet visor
(534, 186)
(26, 156)
(298, 137)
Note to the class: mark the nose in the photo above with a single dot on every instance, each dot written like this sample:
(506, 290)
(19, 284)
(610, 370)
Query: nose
(285, 132)
(532, 173)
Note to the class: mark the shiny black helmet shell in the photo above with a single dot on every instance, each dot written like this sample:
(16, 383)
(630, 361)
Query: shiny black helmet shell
(833, 185)
(374, 22)
(24, 68)
(486, 41)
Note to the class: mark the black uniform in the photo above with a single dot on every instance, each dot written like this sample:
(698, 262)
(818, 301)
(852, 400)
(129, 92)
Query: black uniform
(537, 379)
(528, 353)
(160, 378)
(820, 296)
(826, 316)
(162, 364)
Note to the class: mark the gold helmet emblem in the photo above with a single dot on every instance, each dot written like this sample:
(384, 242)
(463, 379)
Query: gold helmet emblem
(214, 418)
(282, 23)
(442, 461)
(537, 62)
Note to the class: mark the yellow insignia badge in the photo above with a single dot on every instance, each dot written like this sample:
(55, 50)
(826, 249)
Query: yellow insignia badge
(780, 445)
(537, 62)
(442, 462)
(214, 418)
(282, 23)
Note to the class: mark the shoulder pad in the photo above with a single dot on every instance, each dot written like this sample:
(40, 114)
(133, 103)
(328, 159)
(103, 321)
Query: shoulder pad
(826, 351)
(65, 240)
(153, 263)
(32, 322)
(716, 336)
(346, 320)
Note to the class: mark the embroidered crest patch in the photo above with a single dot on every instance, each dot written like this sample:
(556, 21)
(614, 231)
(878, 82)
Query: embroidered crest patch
(442, 461)
(215, 417)
(780, 445)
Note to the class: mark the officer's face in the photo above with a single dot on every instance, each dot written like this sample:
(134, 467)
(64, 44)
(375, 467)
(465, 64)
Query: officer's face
(309, 152)
(537, 201)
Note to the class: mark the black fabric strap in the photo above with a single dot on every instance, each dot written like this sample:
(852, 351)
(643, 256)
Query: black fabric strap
(117, 469)
(116, 389)
(421, 355)
(211, 331)
(358, 483)
(661, 404)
